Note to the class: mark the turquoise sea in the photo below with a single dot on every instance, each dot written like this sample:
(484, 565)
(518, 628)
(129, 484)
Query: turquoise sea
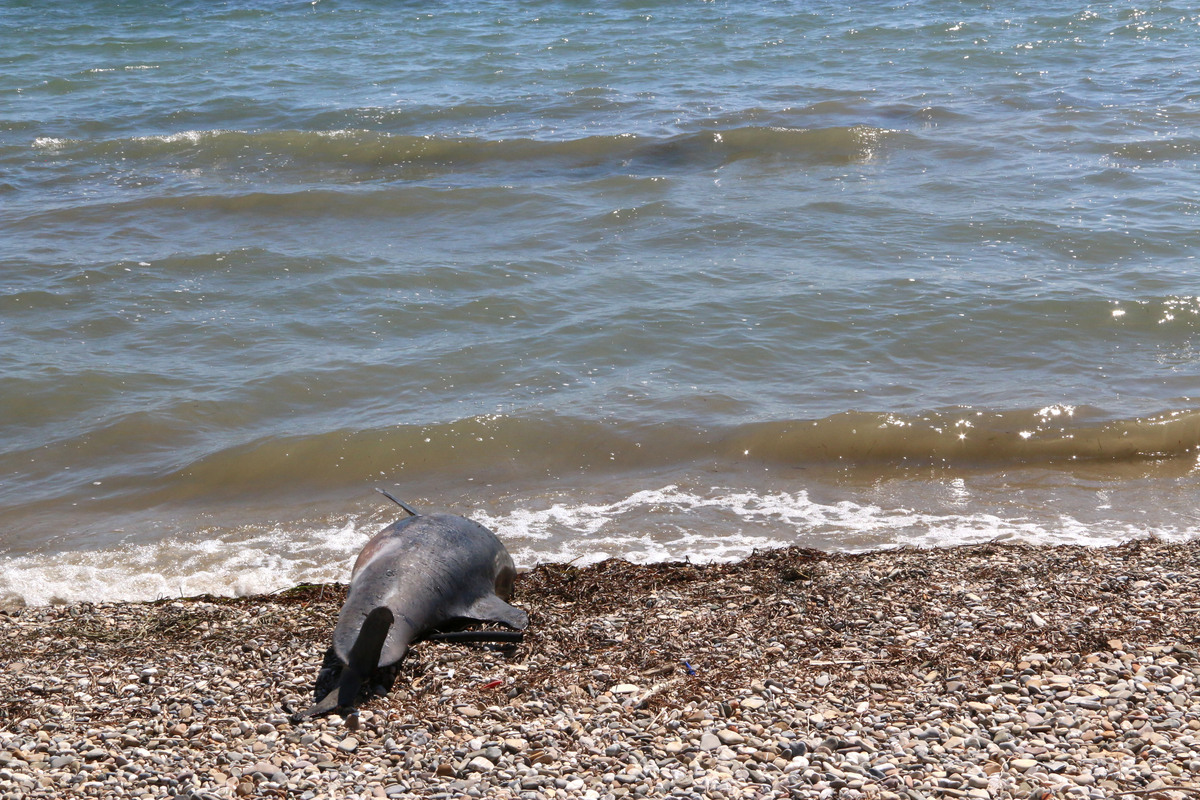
(658, 280)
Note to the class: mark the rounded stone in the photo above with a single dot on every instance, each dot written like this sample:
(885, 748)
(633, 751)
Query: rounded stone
(480, 764)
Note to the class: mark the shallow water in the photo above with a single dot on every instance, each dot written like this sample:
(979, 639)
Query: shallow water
(656, 280)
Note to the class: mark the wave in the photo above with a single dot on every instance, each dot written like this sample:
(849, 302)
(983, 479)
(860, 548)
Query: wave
(659, 523)
(133, 484)
(257, 517)
(526, 450)
(366, 149)
(966, 437)
(516, 444)
(1171, 149)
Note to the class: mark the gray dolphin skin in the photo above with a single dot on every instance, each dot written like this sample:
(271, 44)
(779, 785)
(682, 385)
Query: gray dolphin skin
(418, 578)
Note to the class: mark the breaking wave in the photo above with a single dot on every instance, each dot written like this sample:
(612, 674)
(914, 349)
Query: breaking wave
(343, 149)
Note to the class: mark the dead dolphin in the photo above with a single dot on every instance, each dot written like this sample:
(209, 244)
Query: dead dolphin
(419, 578)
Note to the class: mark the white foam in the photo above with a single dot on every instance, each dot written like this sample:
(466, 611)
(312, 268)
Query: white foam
(127, 68)
(188, 137)
(725, 525)
(240, 563)
(191, 137)
(666, 524)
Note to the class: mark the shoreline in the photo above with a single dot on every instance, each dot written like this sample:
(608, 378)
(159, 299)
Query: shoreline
(988, 671)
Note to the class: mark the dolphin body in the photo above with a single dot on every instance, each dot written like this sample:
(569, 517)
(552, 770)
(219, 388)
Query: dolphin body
(418, 577)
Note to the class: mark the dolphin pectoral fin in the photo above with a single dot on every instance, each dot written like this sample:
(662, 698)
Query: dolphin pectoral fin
(491, 608)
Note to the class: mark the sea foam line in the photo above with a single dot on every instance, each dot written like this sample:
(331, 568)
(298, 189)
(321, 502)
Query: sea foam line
(238, 563)
(726, 525)
(650, 525)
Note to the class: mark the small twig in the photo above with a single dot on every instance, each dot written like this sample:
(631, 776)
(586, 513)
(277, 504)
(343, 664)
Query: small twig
(657, 688)
(460, 637)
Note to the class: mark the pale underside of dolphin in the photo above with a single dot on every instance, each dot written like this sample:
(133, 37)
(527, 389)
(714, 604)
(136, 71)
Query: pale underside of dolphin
(417, 578)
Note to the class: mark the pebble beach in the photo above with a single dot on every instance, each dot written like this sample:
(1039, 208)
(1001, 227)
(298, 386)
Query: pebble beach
(989, 671)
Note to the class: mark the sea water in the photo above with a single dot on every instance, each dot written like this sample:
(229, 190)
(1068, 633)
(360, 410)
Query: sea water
(652, 280)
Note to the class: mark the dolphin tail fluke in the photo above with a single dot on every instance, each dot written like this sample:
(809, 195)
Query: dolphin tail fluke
(364, 658)
(364, 655)
(328, 703)
(325, 690)
(490, 608)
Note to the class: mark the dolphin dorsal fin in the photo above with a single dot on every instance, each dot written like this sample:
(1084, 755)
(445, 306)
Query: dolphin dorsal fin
(400, 503)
